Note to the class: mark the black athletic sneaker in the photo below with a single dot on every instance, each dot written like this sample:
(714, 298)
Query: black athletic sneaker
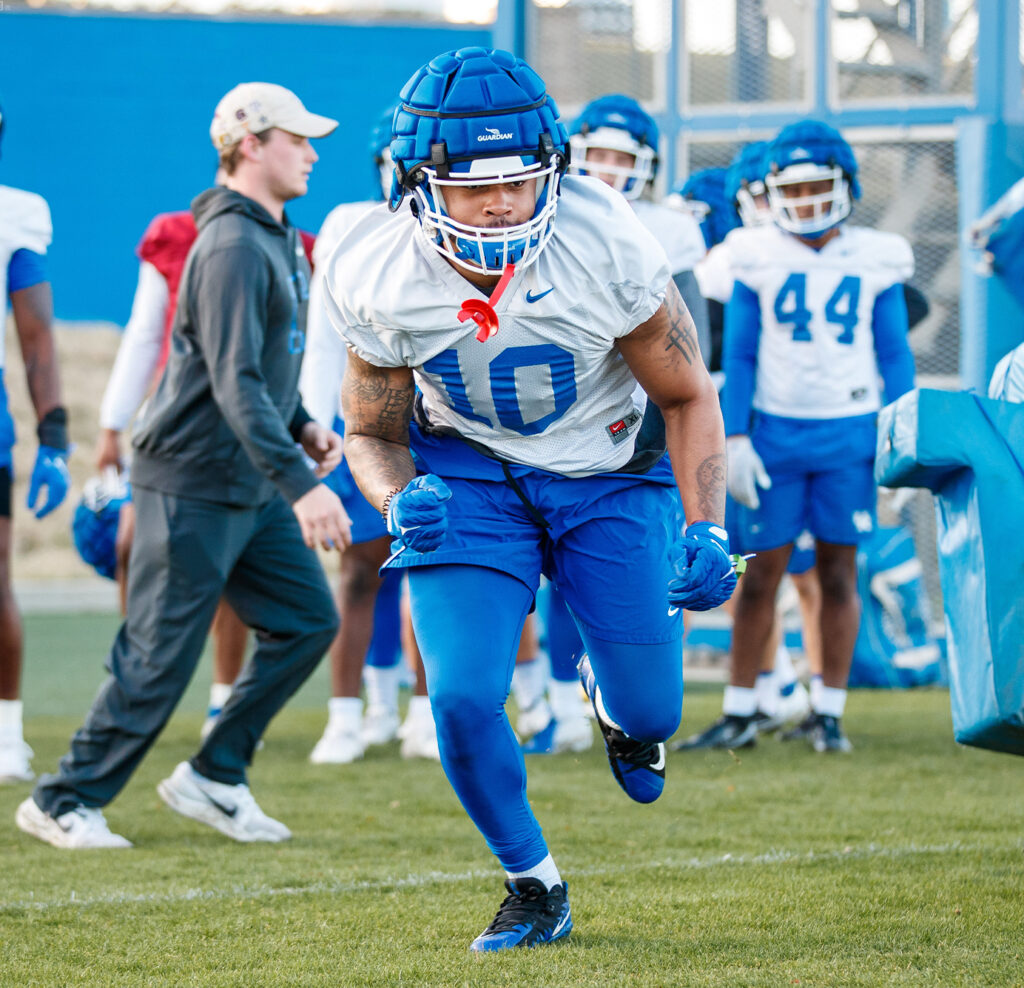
(802, 730)
(638, 766)
(729, 731)
(827, 735)
(530, 915)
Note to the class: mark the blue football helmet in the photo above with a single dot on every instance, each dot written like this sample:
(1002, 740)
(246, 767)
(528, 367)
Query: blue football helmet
(617, 123)
(94, 523)
(482, 117)
(810, 151)
(744, 184)
(380, 150)
(704, 193)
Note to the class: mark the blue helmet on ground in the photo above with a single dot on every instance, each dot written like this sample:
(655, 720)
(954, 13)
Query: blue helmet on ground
(616, 123)
(478, 116)
(704, 193)
(744, 184)
(810, 151)
(94, 523)
(380, 150)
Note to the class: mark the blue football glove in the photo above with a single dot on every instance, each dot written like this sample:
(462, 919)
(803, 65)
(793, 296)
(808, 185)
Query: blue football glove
(704, 575)
(51, 472)
(418, 516)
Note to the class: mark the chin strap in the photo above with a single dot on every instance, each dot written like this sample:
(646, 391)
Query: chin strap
(482, 313)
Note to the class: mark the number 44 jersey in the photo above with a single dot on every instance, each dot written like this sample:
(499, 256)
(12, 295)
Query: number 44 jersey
(550, 388)
(816, 345)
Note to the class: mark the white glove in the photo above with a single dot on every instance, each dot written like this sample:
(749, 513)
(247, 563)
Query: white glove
(746, 471)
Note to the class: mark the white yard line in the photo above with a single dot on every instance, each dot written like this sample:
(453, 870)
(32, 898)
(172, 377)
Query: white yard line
(252, 892)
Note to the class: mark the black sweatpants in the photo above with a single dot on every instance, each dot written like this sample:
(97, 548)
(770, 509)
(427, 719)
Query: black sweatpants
(187, 553)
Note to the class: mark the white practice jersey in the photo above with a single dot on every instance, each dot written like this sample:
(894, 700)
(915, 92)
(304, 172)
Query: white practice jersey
(323, 363)
(816, 355)
(550, 389)
(676, 230)
(24, 225)
(714, 272)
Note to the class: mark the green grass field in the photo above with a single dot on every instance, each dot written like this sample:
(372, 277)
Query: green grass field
(900, 864)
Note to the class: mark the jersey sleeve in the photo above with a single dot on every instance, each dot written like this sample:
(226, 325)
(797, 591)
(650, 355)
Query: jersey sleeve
(25, 269)
(891, 255)
(714, 273)
(26, 218)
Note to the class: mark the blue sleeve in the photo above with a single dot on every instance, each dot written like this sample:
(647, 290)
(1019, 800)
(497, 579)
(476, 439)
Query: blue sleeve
(889, 324)
(739, 357)
(25, 269)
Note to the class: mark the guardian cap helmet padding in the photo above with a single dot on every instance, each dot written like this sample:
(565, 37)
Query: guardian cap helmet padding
(94, 523)
(619, 123)
(483, 117)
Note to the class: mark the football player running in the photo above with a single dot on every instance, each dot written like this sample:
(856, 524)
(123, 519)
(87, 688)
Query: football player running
(25, 233)
(817, 314)
(526, 334)
(368, 605)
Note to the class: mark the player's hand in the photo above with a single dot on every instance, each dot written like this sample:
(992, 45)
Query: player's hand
(321, 445)
(323, 519)
(108, 450)
(50, 471)
(745, 471)
(704, 574)
(418, 515)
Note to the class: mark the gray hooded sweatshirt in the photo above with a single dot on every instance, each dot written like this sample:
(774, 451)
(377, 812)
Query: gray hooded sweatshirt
(224, 420)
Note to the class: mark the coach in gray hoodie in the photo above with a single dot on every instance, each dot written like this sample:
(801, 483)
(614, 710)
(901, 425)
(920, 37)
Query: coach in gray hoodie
(225, 501)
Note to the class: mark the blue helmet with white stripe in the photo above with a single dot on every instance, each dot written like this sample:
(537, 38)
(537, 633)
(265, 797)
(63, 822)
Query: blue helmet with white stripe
(810, 151)
(478, 116)
(704, 193)
(94, 523)
(744, 184)
(380, 150)
(616, 123)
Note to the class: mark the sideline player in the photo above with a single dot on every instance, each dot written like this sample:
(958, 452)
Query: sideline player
(817, 313)
(368, 605)
(140, 361)
(526, 334)
(25, 233)
(225, 502)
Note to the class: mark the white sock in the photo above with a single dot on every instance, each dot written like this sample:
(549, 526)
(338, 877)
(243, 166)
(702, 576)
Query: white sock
(832, 702)
(817, 685)
(10, 720)
(767, 692)
(219, 694)
(740, 701)
(784, 665)
(566, 704)
(419, 711)
(529, 681)
(345, 713)
(382, 686)
(544, 871)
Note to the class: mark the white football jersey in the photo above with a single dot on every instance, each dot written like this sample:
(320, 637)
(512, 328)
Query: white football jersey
(550, 389)
(24, 225)
(816, 356)
(714, 272)
(676, 230)
(323, 363)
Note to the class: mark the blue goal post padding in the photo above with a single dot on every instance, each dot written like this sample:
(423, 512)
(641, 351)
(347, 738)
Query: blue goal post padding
(968, 451)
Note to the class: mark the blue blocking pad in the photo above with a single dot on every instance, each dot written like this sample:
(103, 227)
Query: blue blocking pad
(969, 451)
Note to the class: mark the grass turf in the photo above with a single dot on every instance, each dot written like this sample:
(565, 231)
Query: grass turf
(900, 864)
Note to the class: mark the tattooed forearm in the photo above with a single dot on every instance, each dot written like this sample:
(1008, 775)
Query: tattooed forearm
(378, 466)
(711, 488)
(681, 334)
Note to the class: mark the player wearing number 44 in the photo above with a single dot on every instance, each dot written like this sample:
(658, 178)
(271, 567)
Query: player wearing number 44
(817, 317)
(526, 335)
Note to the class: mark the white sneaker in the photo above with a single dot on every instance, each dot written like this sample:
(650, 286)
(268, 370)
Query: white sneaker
(338, 746)
(533, 719)
(229, 809)
(82, 827)
(419, 739)
(14, 758)
(574, 734)
(380, 725)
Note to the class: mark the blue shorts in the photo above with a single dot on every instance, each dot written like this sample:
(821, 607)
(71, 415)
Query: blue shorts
(6, 428)
(822, 480)
(606, 546)
(367, 523)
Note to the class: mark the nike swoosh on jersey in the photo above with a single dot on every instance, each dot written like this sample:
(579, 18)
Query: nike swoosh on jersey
(673, 611)
(530, 297)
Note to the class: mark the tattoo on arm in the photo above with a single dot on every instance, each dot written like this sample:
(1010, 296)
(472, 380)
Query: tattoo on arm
(681, 334)
(711, 488)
